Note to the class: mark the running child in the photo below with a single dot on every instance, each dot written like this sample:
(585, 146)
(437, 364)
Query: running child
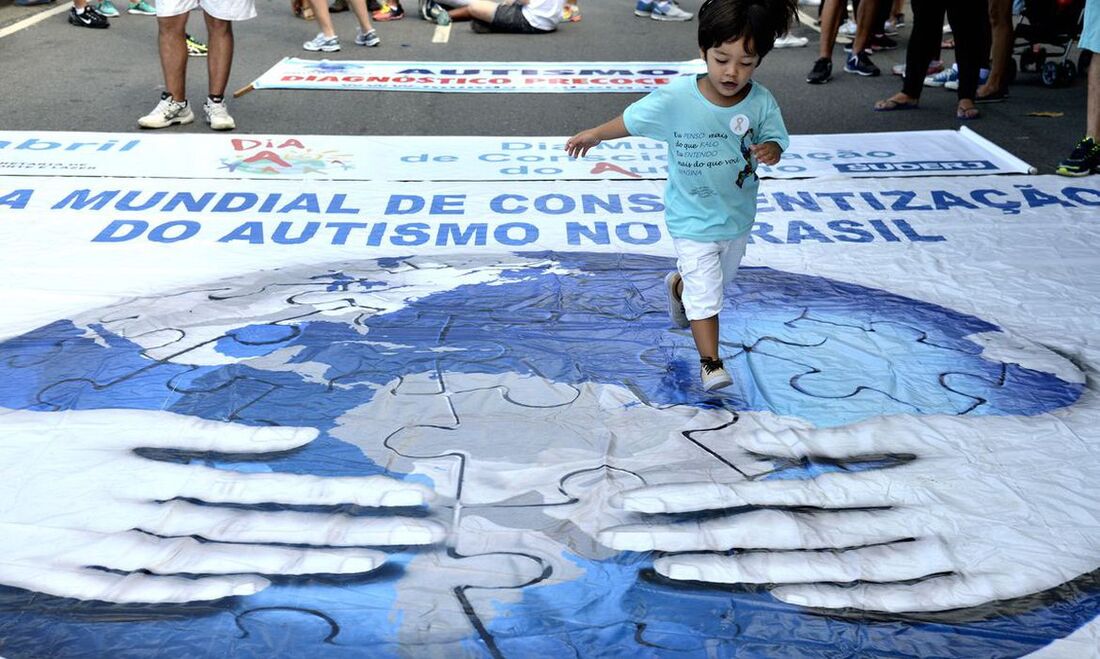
(718, 126)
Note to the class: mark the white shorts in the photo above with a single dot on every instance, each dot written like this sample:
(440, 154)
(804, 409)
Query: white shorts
(706, 268)
(226, 10)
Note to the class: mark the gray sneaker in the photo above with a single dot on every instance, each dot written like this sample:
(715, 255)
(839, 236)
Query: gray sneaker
(676, 312)
(217, 115)
(168, 112)
(322, 43)
(713, 373)
(368, 38)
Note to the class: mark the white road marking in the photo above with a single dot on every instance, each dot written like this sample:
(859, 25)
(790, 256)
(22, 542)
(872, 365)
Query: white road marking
(442, 34)
(31, 20)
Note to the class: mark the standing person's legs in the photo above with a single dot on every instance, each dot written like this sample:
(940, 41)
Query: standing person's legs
(1093, 108)
(822, 71)
(1000, 21)
(865, 19)
(362, 14)
(970, 23)
(324, 18)
(1085, 158)
(172, 41)
(830, 23)
(219, 60)
(924, 43)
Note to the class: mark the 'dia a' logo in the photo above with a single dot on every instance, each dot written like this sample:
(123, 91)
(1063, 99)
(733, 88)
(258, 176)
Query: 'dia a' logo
(283, 157)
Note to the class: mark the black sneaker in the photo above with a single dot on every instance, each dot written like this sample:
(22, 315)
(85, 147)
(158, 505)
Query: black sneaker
(1084, 160)
(882, 42)
(89, 18)
(822, 72)
(861, 64)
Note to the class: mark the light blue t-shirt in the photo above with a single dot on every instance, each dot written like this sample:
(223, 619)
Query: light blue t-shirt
(712, 182)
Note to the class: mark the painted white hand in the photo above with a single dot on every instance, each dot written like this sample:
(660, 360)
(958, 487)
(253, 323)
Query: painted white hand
(988, 508)
(83, 515)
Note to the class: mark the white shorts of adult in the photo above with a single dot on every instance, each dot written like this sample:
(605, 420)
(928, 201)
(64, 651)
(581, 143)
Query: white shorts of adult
(226, 10)
(706, 268)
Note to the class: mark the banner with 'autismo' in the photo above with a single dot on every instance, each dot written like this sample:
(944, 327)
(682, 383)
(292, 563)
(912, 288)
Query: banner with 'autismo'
(479, 77)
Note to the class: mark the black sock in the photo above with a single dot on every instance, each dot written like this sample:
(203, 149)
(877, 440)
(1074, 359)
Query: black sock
(216, 99)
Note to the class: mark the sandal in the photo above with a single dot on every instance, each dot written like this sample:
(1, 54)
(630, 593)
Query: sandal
(892, 105)
(995, 97)
(967, 114)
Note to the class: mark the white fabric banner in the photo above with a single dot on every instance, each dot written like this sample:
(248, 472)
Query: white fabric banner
(508, 347)
(480, 77)
(418, 158)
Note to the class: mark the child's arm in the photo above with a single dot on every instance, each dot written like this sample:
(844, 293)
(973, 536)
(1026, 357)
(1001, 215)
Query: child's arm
(579, 144)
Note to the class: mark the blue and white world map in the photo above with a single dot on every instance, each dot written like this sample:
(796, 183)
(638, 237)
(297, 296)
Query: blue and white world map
(336, 347)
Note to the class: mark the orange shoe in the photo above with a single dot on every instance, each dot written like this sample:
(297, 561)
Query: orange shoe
(389, 12)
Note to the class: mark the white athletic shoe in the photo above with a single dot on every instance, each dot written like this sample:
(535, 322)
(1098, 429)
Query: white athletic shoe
(713, 374)
(217, 115)
(666, 10)
(168, 112)
(676, 312)
(790, 41)
(322, 43)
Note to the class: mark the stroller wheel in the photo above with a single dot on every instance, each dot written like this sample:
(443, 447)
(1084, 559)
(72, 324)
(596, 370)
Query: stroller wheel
(1049, 74)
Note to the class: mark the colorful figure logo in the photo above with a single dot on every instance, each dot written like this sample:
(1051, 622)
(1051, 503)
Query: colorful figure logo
(289, 157)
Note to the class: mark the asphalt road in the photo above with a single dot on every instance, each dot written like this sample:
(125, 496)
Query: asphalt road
(57, 77)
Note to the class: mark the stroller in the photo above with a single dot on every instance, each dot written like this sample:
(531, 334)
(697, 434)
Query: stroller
(1055, 24)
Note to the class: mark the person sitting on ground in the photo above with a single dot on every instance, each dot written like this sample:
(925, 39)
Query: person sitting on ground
(516, 17)
(970, 24)
(326, 40)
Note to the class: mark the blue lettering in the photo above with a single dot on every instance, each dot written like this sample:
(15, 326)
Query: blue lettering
(110, 233)
(597, 234)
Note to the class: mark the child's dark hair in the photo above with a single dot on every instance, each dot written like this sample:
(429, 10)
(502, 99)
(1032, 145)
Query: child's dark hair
(758, 22)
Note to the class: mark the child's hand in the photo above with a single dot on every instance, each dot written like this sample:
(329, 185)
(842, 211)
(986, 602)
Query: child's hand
(579, 144)
(766, 153)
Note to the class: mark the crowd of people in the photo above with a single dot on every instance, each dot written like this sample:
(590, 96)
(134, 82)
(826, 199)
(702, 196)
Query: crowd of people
(979, 32)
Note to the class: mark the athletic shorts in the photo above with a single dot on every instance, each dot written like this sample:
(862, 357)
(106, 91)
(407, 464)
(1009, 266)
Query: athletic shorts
(510, 18)
(226, 10)
(706, 268)
(1090, 33)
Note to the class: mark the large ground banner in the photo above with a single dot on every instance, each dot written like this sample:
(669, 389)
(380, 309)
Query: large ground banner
(418, 158)
(370, 419)
(476, 77)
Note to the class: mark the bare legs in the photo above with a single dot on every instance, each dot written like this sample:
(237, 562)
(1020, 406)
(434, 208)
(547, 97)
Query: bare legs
(704, 332)
(219, 59)
(172, 41)
(1000, 20)
(482, 10)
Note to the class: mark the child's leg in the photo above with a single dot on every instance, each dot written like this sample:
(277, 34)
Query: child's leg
(705, 269)
(705, 333)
